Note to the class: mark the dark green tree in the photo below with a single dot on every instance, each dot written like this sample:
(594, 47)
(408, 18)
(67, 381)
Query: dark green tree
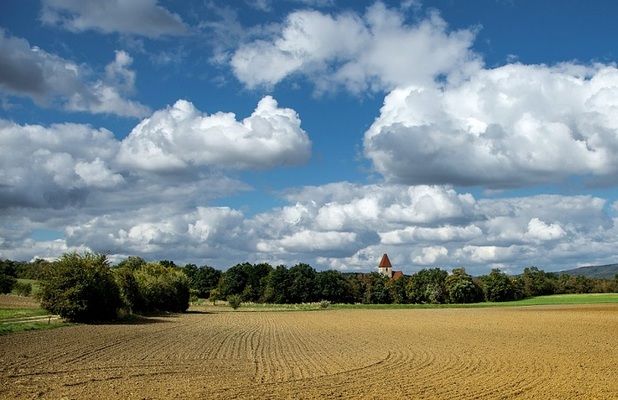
(234, 280)
(168, 264)
(204, 280)
(357, 287)
(375, 290)
(303, 288)
(583, 284)
(7, 282)
(397, 290)
(9, 267)
(8, 271)
(332, 286)
(461, 288)
(277, 286)
(32, 270)
(498, 286)
(257, 275)
(537, 282)
(190, 270)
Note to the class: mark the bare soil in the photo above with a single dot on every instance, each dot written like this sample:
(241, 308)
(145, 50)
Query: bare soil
(548, 352)
(12, 301)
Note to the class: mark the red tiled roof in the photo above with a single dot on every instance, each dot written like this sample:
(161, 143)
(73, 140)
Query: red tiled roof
(385, 262)
(397, 275)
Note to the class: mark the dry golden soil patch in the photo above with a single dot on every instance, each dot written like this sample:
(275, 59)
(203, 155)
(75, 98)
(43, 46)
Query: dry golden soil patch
(560, 352)
(12, 301)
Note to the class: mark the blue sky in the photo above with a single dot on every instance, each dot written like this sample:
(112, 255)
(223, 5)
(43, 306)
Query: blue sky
(479, 134)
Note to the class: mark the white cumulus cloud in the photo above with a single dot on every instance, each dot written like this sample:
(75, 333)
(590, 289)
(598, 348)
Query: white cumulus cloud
(96, 173)
(54, 166)
(66, 164)
(430, 255)
(447, 233)
(513, 125)
(181, 136)
(374, 51)
(307, 241)
(539, 230)
(550, 231)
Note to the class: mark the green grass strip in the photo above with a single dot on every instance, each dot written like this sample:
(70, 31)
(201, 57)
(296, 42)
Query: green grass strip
(10, 327)
(556, 299)
(12, 313)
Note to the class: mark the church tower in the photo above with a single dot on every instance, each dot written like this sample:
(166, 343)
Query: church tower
(385, 267)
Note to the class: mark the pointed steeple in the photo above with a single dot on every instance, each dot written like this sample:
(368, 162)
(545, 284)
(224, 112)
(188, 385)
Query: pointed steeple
(385, 262)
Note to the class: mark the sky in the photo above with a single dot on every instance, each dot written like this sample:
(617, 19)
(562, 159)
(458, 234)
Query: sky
(476, 134)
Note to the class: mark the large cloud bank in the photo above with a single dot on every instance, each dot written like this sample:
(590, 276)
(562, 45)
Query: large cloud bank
(446, 119)
(510, 126)
(344, 226)
(447, 122)
(73, 164)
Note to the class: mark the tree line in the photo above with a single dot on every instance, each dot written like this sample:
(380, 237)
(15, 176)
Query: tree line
(86, 287)
(301, 283)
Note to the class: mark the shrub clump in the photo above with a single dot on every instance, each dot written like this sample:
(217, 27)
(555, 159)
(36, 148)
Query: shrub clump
(80, 288)
(234, 301)
(161, 288)
(23, 288)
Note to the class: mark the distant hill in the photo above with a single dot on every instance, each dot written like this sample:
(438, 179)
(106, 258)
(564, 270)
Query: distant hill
(594, 271)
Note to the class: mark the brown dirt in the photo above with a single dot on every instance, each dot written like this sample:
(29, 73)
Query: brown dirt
(12, 301)
(434, 353)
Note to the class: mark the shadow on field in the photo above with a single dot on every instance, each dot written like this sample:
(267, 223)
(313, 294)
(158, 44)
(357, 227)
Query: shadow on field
(197, 312)
(142, 320)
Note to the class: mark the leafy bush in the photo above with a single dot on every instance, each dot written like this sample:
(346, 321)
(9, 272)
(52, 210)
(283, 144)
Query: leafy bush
(129, 289)
(214, 296)
(162, 288)
(324, 304)
(6, 283)
(234, 301)
(23, 288)
(132, 263)
(80, 288)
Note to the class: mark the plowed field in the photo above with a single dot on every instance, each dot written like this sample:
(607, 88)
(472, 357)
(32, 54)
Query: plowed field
(559, 352)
